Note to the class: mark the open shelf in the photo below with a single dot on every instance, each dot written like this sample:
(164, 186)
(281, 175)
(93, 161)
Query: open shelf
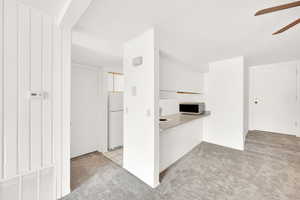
(174, 94)
(181, 92)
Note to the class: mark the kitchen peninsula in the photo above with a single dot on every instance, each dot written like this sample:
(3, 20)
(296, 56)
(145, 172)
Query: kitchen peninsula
(179, 134)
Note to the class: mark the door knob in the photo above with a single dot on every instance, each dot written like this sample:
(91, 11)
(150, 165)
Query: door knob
(256, 102)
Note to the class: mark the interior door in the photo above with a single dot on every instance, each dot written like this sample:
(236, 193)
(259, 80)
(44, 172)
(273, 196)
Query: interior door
(85, 115)
(273, 98)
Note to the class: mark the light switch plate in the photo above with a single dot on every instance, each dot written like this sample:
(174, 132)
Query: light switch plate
(137, 61)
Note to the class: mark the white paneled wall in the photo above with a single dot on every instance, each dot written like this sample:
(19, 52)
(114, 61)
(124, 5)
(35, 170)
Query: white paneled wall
(34, 56)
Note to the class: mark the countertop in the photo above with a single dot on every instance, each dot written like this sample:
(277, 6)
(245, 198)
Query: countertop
(179, 119)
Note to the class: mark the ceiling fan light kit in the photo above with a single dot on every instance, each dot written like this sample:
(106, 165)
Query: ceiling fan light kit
(278, 8)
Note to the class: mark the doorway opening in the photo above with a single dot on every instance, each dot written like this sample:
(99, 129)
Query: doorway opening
(115, 108)
(96, 121)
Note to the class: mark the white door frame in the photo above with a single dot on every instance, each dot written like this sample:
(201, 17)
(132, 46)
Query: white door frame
(298, 97)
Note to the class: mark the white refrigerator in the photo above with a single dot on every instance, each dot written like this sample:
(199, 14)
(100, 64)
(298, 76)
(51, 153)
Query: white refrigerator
(115, 120)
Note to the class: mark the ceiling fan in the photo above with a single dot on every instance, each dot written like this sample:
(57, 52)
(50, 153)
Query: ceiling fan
(278, 8)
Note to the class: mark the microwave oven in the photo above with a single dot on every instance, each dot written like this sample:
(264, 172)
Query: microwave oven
(194, 108)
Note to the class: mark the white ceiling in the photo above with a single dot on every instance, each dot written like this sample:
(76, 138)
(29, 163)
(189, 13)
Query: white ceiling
(51, 7)
(85, 55)
(88, 49)
(196, 31)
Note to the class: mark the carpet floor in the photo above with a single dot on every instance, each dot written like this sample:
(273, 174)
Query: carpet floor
(268, 169)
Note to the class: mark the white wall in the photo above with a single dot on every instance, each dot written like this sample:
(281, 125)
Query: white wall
(87, 114)
(225, 92)
(275, 86)
(141, 128)
(174, 76)
(35, 56)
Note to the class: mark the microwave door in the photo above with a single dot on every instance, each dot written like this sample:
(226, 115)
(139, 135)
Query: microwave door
(189, 108)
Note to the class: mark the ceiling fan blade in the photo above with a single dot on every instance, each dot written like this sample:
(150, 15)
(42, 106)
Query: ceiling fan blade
(277, 8)
(294, 23)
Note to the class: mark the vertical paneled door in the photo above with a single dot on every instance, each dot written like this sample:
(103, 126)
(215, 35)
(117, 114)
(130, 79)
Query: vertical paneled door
(34, 95)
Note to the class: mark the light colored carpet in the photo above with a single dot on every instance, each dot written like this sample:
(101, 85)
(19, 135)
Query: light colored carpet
(269, 169)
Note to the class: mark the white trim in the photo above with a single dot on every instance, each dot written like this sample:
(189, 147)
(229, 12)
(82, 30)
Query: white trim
(105, 109)
(20, 188)
(38, 181)
(298, 98)
(2, 167)
(66, 110)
